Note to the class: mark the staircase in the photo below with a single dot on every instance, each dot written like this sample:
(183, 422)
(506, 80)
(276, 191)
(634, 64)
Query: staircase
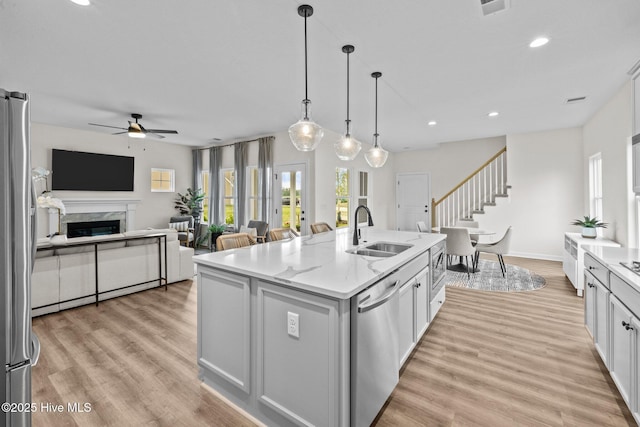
(478, 190)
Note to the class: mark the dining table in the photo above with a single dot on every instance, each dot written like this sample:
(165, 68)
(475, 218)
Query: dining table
(460, 266)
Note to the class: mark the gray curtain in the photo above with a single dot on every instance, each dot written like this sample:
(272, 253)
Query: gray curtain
(240, 167)
(197, 170)
(215, 163)
(265, 174)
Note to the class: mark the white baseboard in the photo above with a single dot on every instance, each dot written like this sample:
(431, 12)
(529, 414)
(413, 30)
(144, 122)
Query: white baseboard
(536, 256)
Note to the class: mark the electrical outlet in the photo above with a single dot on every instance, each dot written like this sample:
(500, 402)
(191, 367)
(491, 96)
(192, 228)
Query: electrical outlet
(293, 324)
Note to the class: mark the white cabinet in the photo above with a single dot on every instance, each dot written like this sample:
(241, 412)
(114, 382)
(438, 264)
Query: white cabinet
(636, 133)
(436, 303)
(406, 321)
(623, 337)
(601, 321)
(590, 304)
(414, 313)
(573, 257)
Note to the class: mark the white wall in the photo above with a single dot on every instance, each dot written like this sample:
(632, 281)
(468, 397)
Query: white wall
(448, 163)
(155, 209)
(544, 170)
(608, 132)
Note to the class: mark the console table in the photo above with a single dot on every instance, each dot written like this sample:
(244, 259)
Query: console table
(162, 279)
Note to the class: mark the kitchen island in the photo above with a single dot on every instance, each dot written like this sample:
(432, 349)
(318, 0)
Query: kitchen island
(296, 332)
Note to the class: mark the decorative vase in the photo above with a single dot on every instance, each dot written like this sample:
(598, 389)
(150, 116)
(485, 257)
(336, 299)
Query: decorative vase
(589, 232)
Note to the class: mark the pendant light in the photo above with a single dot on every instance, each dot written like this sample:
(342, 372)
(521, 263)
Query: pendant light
(305, 134)
(347, 147)
(376, 156)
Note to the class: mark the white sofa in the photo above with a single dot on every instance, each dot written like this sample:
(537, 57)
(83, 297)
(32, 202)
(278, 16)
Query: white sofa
(64, 274)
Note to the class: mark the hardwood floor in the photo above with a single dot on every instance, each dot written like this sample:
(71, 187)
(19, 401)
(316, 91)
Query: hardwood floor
(489, 359)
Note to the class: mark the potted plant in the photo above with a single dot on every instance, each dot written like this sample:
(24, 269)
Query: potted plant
(589, 226)
(215, 231)
(190, 203)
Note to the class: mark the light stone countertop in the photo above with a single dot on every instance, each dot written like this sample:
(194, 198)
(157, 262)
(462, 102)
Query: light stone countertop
(319, 263)
(613, 257)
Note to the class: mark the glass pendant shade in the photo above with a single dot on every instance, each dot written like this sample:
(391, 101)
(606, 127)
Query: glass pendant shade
(305, 134)
(376, 156)
(347, 147)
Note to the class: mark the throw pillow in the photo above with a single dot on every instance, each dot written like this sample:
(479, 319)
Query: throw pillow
(179, 226)
(250, 231)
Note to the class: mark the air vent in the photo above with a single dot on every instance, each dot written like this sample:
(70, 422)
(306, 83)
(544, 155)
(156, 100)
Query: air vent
(576, 100)
(489, 7)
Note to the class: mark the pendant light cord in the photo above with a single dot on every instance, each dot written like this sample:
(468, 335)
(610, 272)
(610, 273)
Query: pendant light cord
(375, 135)
(306, 95)
(348, 121)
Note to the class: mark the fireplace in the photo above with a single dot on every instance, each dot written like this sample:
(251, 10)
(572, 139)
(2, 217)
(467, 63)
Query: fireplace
(92, 228)
(86, 210)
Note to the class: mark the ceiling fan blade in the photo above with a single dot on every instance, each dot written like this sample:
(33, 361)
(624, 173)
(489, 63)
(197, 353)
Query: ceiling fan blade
(119, 133)
(162, 131)
(107, 126)
(155, 135)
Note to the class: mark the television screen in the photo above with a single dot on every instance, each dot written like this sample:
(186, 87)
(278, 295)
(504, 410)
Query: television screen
(76, 170)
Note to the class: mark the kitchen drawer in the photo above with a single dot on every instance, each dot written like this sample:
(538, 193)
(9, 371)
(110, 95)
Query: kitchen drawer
(436, 303)
(597, 269)
(628, 294)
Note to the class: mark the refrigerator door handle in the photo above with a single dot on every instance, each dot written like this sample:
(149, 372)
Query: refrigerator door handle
(34, 225)
(35, 349)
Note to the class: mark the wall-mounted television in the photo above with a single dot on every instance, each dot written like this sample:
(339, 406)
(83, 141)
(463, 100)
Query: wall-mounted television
(77, 170)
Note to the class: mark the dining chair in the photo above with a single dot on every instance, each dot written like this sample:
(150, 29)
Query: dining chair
(320, 227)
(469, 224)
(234, 240)
(499, 248)
(459, 244)
(422, 227)
(261, 229)
(282, 234)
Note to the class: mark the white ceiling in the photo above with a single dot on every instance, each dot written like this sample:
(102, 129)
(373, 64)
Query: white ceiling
(235, 69)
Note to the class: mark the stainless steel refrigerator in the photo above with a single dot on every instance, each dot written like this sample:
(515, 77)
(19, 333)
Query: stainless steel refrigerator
(19, 345)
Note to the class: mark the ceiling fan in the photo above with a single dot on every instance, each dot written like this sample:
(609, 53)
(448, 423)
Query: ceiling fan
(136, 130)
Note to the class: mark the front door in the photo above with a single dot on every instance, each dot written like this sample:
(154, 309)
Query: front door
(289, 197)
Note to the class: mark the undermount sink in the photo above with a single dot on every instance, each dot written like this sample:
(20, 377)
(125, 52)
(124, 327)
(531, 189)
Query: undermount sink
(394, 248)
(380, 249)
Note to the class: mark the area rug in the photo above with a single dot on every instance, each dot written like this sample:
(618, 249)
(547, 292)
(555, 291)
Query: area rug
(489, 278)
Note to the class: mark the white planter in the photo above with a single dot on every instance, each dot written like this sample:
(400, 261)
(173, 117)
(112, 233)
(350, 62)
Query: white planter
(589, 232)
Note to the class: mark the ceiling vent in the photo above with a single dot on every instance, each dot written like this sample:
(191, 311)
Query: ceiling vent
(489, 7)
(576, 100)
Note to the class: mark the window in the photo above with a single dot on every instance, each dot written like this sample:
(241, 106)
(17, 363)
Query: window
(163, 180)
(228, 186)
(253, 191)
(343, 197)
(595, 186)
(363, 195)
(204, 177)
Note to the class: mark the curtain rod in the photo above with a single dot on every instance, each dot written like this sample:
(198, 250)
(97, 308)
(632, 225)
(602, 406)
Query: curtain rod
(234, 143)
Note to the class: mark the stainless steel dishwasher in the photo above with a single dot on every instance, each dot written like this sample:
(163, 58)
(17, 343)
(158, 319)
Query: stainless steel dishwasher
(374, 348)
(375, 361)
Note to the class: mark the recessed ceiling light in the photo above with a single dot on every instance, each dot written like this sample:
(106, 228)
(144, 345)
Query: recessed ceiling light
(493, 114)
(540, 41)
(432, 123)
(82, 2)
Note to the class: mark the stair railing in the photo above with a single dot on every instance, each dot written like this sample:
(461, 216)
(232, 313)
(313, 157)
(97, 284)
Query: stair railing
(470, 196)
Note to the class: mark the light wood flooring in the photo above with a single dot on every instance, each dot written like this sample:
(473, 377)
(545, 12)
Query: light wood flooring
(489, 359)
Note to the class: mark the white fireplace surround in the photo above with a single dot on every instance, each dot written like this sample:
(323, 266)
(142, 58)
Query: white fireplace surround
(80, 206)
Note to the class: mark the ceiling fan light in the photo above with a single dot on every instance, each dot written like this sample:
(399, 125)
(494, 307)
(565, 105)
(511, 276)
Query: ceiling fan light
(136, 134)
(347, 147)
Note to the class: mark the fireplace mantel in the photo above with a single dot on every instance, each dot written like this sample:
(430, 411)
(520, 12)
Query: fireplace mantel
(79, 206)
